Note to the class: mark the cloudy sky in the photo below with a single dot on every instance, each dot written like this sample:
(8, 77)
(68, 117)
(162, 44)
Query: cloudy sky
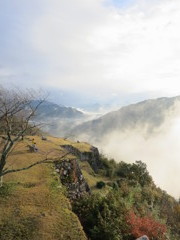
(88, 51)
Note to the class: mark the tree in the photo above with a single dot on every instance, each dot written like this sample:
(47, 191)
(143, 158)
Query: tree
(136, 171)
(146, 226)
(103, 217)
(17, 111)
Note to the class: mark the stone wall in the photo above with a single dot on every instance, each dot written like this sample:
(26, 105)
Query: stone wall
(71, 176)
(92, 157)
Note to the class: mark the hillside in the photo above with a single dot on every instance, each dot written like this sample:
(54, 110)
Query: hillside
(49, 109)
(148, 131)
(32, 203)
(82, 190)
(149, 114)
(56, 119)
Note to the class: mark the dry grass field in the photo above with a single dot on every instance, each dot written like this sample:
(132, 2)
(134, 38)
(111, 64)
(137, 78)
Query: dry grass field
(33, 204)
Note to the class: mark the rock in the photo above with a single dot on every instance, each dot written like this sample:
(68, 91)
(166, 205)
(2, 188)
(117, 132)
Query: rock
(143, 238)
(70, 173)
(71, 177)
(65, 172)
(44, 138)
(92, 157)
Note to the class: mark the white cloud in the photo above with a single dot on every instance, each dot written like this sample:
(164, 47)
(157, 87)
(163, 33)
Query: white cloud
(89, 45)
(5, 72)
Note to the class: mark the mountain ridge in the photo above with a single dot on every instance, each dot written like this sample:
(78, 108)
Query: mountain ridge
(50, 109)
(150, 112)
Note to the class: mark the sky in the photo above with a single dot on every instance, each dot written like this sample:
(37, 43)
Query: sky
(91, 51)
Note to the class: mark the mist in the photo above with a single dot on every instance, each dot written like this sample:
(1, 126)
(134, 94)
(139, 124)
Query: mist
(61, 127)
(158, 148)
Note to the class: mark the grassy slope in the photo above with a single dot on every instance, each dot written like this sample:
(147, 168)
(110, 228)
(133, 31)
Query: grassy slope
(32, 200)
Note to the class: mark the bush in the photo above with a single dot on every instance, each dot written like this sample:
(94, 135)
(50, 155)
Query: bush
(146, 226)
(109, 166)
(7, 189)
(136, 173)
(100, 184)
(103, 217)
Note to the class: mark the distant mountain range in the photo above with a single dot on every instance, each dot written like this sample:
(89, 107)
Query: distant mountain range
(150, 114)
(67, 121)
(57, 119)
(49, 109)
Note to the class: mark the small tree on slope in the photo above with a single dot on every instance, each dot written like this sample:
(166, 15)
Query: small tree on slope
(17, 110)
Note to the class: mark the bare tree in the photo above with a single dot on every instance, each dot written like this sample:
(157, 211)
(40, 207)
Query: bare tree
(17, 110)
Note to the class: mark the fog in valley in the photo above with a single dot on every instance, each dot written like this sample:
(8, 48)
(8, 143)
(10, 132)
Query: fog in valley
(158, 147)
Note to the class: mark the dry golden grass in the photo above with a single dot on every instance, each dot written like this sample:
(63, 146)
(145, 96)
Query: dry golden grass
(35, 194)
(93, 178)
(82, 146)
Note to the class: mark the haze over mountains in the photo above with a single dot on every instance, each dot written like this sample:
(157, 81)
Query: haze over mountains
(149, 114)
(49, 109)
(147, 131)
(57, 118)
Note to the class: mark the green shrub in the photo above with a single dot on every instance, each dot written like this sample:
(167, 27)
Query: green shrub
(7, 189)
(100, 184)
(109, 166)
(103, 217)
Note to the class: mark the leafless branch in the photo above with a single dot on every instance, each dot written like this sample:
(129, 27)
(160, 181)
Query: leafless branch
(32, 165)
(17, 110)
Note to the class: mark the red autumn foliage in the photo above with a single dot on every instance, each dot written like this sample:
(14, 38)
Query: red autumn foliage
(146, 226)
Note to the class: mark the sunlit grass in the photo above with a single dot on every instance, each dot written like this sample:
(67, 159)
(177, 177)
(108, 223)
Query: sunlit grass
(36, 194)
